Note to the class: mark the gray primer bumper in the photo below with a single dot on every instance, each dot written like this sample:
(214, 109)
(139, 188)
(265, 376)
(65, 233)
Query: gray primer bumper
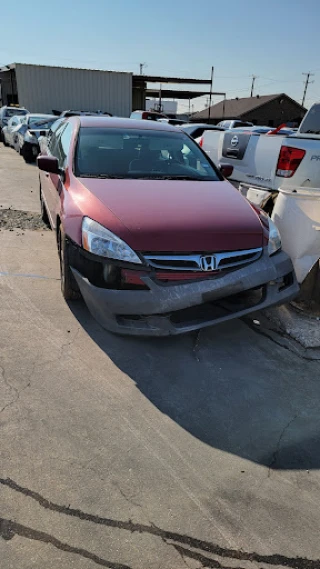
(112, 308)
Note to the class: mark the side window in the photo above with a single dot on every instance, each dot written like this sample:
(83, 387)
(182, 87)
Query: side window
(63, 144)
(54, 140)
(198, 132)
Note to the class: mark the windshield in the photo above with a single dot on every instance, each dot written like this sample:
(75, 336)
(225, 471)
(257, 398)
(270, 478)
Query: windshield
(13, 112)
(134, 153)
(41, 122)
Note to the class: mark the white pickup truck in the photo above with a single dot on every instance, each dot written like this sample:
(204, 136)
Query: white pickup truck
(263, 163)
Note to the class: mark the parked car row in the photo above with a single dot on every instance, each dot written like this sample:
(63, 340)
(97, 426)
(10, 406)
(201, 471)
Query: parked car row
(22, 130)
(24, 136)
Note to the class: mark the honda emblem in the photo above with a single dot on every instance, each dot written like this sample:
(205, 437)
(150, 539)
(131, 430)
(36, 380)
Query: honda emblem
(208, 263)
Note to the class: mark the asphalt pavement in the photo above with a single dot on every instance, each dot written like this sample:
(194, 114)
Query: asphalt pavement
(195, 451)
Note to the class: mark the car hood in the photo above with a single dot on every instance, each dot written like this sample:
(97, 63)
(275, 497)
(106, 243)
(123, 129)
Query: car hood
(180, 216)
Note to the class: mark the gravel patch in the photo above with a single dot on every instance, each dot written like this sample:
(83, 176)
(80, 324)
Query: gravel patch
(14, 219)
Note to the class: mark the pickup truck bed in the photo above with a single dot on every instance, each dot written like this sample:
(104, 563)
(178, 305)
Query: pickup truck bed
(255, 157)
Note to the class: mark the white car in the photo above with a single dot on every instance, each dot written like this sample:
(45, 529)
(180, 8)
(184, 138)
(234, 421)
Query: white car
(9, 131)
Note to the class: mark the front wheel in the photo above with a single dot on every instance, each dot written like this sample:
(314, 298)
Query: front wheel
(69, 287)
(44, 213)
(27, 154)
(5, 142)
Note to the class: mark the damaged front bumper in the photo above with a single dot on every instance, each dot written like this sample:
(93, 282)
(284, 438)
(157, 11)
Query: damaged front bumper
(167, 309)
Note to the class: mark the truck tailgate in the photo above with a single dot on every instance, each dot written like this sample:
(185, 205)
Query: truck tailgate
(253, 157)
(308, 172)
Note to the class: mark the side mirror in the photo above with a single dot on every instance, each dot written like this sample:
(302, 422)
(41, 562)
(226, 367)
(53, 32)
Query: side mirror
(226, 170)
(49, 164)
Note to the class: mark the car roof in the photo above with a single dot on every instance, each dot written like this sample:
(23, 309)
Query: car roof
(200, 124)
(113, 122)
(41, 115)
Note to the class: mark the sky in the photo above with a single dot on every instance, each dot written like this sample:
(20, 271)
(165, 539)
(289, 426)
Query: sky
(276, 40)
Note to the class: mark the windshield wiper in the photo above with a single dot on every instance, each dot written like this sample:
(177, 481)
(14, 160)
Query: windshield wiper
(182, 177)
(101, 176)
(167, 177)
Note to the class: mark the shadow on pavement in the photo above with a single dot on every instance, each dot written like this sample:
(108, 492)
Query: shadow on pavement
(228, 386)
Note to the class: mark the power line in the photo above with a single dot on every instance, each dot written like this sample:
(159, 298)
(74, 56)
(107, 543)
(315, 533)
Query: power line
(306, 85)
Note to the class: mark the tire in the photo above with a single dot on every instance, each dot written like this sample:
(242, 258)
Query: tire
(69, 287)
(26, 152)
(4, 141)
(44, 213)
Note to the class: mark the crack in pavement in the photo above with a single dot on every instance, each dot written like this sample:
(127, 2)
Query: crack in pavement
(276, 452)
(278, 343)
(9, 528)
(127, 498)
(11, 388)
(195, 348)
(68, 343)
(202, 546)
(15, 389)
(205, 561)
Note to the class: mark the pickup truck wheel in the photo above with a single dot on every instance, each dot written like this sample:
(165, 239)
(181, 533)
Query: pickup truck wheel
(69, 287)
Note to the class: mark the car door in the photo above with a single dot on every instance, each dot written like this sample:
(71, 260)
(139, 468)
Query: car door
(11, 123)
(21, 131)
(52, 184)
(15, 132)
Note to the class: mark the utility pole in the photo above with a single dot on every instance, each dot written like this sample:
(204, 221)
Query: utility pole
(160, 98)
(142, 65)
(212, 72)
(252, 84)
(307, 83)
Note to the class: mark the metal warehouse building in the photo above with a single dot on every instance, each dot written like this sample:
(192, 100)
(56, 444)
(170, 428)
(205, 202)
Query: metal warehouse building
(41, 88)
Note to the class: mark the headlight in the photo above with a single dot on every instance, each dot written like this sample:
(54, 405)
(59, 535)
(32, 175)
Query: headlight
(274, 238)
(100, 241)
(31, 137)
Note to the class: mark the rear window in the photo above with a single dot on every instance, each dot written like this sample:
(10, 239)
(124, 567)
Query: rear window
(41, 122)
(13, 112)
(239, 124)
(311, 123)
(140, 154)
(136, 115)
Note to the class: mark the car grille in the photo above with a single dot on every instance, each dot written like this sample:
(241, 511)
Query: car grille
(194, 262)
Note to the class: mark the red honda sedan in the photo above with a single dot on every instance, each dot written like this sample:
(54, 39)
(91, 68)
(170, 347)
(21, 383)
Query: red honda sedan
(150, 233)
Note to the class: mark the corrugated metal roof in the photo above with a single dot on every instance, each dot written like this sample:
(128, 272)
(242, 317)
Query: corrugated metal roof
(14, 65)
(235, 108)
